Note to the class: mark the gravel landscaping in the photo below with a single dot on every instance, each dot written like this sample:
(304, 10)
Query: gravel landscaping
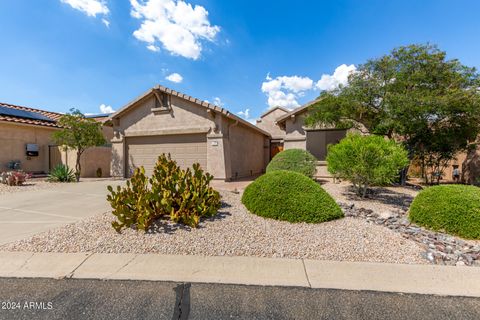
(383, 201)
(234, 232)
(31, 184)
(375, 229)
(388, 207)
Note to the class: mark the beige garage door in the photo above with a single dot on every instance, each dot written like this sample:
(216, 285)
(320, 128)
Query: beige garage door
(185, 149)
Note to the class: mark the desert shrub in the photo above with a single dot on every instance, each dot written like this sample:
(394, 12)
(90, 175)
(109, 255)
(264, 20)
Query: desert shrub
(453, 209)
(297, 160)
(366, 161)
(61, 173)
(184, 196)
(132, 204)
(14, 178)
(290, 196)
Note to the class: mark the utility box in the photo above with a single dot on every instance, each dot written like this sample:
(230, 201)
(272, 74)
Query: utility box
(32, 150)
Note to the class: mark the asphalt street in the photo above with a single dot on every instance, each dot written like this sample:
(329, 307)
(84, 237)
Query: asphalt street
(97, 299)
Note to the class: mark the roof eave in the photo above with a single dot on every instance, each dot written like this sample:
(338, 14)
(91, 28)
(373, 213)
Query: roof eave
(296, 111)
(199, 102)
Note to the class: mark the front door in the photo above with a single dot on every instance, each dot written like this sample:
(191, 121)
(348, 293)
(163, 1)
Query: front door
(275, 147)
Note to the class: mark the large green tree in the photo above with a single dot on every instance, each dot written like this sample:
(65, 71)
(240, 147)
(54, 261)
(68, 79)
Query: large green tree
(78, 133)
(415, 95)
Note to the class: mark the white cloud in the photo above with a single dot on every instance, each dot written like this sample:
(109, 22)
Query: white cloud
(177, 25)
(174, 77)
(245, 114)
(91, 8)
(218, 102)
(106, 109)
(339, 77)
(153, 48)
(284, 91)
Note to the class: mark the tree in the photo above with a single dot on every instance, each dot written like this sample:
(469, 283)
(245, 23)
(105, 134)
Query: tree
(413, 95)
(366, 161)
(78, 133)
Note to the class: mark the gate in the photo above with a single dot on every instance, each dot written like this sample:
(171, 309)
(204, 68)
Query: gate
(54, 157)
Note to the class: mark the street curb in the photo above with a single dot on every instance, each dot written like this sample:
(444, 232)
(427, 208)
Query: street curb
(386, 277)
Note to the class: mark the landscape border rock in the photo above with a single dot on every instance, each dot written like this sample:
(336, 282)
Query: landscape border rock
(439, 248)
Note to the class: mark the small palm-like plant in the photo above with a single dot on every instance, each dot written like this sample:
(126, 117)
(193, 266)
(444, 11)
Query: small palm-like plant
(61, 173)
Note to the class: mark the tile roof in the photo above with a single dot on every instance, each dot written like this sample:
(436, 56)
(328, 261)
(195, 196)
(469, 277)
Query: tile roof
(184, 96)
(273, 109)
(52, 115)
(296, 111)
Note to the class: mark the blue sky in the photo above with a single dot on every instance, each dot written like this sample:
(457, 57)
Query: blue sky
(58, 54)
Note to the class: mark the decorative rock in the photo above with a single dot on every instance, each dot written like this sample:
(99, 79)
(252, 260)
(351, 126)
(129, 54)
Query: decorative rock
(440, 248)
(430, 256)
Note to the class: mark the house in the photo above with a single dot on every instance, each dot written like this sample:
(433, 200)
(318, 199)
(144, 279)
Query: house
(288, 131)
(268, 122)
(166, 121)
(26, 143)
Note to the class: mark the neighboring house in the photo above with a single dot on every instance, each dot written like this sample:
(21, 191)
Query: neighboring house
(288, 131)
(297, 135)
(26, 137)
(190, 130)
(268, 122)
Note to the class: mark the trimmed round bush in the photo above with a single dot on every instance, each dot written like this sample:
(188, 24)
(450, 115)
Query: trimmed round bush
(297, 160)
(454, 209)
(290, 196)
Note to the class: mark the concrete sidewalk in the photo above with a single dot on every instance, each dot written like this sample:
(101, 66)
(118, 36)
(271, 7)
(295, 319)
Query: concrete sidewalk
(421, 279)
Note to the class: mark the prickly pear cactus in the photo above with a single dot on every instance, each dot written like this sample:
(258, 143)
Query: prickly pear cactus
(182, 195)
(132, 203)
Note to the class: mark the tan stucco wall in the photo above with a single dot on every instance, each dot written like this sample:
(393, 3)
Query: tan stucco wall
(13, 140)
(14, 137)
(295, 136)
(184, 117)
(295, 126)
(141, 121)
(226, 148)
(90, 161)
(247, 151)
(107, 133)
(267, 123)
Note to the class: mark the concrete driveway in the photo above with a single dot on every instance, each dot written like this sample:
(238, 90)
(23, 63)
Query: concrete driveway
(23, 214)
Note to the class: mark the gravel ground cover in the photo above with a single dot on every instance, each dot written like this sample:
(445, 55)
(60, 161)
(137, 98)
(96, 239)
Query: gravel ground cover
(234, 232)
(383, 201)
(388, 207)
(31, 184)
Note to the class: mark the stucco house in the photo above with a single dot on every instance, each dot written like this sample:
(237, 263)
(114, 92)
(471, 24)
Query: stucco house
(26, 138)
(166, 121)
(289, 131)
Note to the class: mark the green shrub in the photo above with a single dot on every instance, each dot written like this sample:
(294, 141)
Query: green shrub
(290, 196)
(182, 195)
(297, 160)
(61, 173)
(366, 161)
(453, 209)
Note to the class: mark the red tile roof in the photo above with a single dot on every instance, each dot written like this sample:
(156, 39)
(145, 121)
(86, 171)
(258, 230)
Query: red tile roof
(52, 115)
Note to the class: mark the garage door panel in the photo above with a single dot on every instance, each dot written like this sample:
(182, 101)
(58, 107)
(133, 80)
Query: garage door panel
(185, 149)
